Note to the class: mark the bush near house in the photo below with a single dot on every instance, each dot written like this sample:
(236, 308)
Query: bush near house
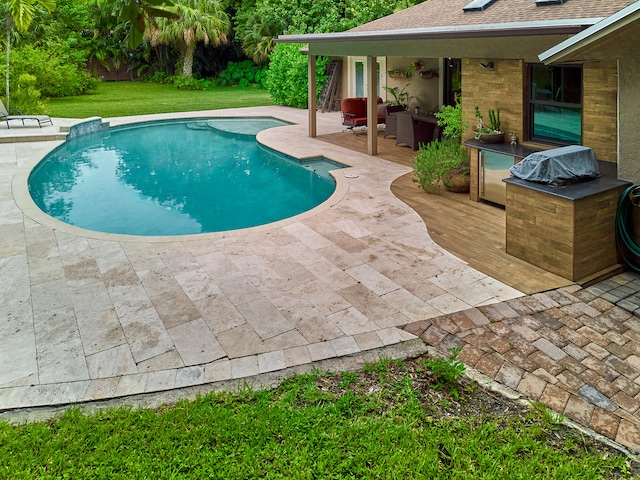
(287, 76)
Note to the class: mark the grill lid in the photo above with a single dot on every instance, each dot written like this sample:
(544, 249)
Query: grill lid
(559, 166)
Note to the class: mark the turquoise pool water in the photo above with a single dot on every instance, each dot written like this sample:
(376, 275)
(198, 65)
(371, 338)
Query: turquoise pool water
(176, 178)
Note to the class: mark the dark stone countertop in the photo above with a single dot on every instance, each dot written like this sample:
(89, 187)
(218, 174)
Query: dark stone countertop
(518, 151)
(575, 191)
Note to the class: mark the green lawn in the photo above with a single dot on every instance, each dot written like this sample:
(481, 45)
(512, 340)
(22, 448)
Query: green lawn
(389, 421)
(116, 99)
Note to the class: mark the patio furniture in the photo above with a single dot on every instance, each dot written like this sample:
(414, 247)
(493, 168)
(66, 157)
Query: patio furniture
(391, 120)
(416, 129)
(5, 116)
(354, 112)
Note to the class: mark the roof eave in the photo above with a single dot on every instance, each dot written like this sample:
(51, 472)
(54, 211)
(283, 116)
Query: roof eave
(464, 31)
(564, 50)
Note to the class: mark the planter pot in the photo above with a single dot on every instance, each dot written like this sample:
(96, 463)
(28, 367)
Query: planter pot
(457, 180)
(491, 137)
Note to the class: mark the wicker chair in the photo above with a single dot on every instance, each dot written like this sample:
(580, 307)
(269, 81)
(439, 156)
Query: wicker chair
(412, 133)
(391, 120)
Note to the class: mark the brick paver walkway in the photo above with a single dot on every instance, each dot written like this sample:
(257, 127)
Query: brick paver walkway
(576, 350)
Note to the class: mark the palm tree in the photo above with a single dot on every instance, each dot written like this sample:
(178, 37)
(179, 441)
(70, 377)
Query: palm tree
(199, 21)
(20, 15)
(257, 36)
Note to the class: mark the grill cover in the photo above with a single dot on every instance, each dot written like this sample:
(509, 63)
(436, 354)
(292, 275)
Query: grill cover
(559, 166)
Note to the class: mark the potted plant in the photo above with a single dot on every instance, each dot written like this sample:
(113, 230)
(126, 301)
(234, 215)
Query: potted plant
(400, 95)
(490, 133)
(444, 162)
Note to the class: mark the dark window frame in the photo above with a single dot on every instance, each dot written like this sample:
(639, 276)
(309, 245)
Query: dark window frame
(532, 102)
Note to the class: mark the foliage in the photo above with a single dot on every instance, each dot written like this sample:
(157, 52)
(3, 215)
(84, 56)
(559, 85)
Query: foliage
(26, 97)
(197, 21)
(287, 76)
(435, 159)
(138, 13)
(256, 32)
(450, 118)
(400, 95)
(447, 370)
(243, 73)
(494, 121)
(23, 11)
(318, 425)
(118, 99)
(59, 69)
(358, 13)
(191, 83)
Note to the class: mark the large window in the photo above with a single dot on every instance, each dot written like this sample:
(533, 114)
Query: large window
(555, 104)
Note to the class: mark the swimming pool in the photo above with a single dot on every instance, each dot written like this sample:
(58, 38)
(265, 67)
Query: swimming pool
(177, 177)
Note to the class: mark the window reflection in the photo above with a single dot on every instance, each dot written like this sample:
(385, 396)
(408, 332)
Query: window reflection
(556, 104)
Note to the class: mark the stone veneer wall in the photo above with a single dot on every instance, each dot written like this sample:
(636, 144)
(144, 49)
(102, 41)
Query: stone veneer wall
(87, 126)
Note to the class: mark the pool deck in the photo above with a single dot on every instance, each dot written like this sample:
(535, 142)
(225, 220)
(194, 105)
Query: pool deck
(92, 317)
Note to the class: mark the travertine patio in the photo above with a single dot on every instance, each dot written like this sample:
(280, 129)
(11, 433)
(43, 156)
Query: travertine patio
(88, 316)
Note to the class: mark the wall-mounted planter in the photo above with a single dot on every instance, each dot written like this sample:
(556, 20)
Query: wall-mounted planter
(428, 74)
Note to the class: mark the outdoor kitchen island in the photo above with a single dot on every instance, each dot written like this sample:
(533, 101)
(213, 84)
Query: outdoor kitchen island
(568, 230)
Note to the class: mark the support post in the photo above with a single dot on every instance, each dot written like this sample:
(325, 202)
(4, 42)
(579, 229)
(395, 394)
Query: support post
(372, 106)
(311, 80)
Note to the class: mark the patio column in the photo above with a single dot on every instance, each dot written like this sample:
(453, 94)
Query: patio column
(311, 80)
(372, 106)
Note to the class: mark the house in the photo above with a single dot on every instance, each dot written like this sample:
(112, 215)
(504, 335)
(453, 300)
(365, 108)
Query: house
(562, 72)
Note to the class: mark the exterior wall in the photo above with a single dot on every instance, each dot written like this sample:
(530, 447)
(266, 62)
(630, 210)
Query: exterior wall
(600, 103)
(500, 88)
(424, 93)
(503, 88)
(629, 162)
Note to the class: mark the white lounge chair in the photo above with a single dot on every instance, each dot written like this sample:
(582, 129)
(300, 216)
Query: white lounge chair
(41, 119)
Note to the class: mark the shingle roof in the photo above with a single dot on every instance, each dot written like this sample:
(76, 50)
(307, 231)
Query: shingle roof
(449, 13)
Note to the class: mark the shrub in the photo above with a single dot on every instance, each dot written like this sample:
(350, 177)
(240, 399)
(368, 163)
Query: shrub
(435, 159)
(287, 77)
(58, 73)
(450, 117)
(26, 97)
(191, 83)
(243, 73)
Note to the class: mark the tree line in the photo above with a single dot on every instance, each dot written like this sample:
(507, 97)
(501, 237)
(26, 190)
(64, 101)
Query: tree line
(190, 43)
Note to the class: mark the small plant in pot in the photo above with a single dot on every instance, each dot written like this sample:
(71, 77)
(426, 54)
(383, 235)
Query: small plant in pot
(488, 133)
(444, 162)
(400, 95)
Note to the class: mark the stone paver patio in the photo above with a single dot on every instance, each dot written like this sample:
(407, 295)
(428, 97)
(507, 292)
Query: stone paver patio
(87, 316)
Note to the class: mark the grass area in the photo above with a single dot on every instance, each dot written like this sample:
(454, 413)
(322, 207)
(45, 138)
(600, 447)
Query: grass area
(387, 421)
(116, 99)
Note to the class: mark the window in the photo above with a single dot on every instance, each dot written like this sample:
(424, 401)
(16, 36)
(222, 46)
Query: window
(555, 104)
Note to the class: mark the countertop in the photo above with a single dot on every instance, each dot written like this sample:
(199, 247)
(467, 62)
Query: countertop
(573, 191)
(518, 151)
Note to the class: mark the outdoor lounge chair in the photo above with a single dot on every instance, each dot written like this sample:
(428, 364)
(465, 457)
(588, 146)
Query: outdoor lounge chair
(5, 116)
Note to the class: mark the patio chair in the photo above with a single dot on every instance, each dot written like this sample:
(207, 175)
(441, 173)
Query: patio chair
(391, 120)
(412, 133)
(5, 116)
